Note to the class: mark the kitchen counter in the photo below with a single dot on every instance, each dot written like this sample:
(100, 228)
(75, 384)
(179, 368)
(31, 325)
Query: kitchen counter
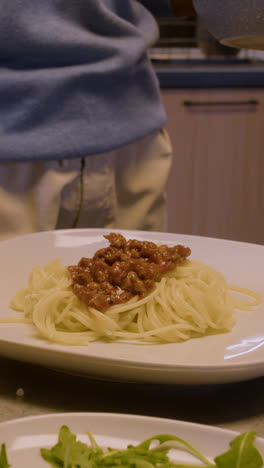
(210, 74)
(237, 406)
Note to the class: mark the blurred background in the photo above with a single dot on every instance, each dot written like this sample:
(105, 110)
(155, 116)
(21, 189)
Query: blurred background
(214, 98)
(188, 39)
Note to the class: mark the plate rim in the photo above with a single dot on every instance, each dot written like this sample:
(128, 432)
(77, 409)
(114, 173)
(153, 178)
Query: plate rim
(100, 230)
(111, 415)
(118, 361)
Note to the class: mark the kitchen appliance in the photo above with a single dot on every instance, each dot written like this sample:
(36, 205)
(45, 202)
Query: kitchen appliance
(187, 40)
(236, 23)
(210, 46)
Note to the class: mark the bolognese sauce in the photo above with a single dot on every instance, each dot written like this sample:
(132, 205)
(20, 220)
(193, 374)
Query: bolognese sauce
(124, 269)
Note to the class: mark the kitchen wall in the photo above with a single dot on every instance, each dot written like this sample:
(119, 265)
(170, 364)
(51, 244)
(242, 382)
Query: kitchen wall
(215, 109)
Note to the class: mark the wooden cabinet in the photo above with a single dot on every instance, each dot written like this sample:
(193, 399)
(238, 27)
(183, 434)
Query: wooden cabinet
(216, 185)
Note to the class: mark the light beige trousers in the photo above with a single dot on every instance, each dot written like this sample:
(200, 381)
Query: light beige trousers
(122, 189)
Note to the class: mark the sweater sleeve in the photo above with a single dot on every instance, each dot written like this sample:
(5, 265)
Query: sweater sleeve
(158, 7)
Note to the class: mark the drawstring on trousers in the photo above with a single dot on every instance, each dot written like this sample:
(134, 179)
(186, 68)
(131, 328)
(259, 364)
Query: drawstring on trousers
(81, 192)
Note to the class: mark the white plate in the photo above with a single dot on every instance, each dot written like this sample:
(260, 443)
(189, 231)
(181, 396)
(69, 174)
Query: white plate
(24, 437)
(229, 357)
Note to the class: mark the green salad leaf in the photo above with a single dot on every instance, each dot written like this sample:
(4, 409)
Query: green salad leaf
(3, 457)
(242, 454)
(153, 452)
(70, 453)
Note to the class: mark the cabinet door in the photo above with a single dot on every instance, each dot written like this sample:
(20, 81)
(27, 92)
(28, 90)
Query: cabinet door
(216, 185)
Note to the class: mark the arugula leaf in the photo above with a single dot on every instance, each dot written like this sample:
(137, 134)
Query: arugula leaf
(3, 458)
(48, 457)
(242, 454)
(164, 438)
(69, 453)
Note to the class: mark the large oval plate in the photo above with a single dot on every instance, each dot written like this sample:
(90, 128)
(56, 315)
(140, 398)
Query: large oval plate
(228, 357)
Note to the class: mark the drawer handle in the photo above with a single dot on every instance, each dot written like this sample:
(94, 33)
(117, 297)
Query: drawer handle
(250, 102)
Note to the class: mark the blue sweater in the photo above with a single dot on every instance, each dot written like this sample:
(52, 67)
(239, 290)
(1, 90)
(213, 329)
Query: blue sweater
(75, 78)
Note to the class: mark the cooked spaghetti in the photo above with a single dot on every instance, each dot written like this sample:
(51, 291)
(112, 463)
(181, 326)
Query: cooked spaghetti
(191, 300)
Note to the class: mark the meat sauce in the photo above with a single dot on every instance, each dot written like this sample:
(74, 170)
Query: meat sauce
(122, 270)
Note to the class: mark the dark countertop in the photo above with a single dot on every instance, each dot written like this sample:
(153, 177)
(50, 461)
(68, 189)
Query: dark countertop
(238, 406)
(205, 74)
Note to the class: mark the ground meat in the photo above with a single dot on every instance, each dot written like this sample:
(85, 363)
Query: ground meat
(122, 270)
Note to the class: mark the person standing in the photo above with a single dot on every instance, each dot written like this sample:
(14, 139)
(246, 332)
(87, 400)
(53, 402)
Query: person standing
(82, 139)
